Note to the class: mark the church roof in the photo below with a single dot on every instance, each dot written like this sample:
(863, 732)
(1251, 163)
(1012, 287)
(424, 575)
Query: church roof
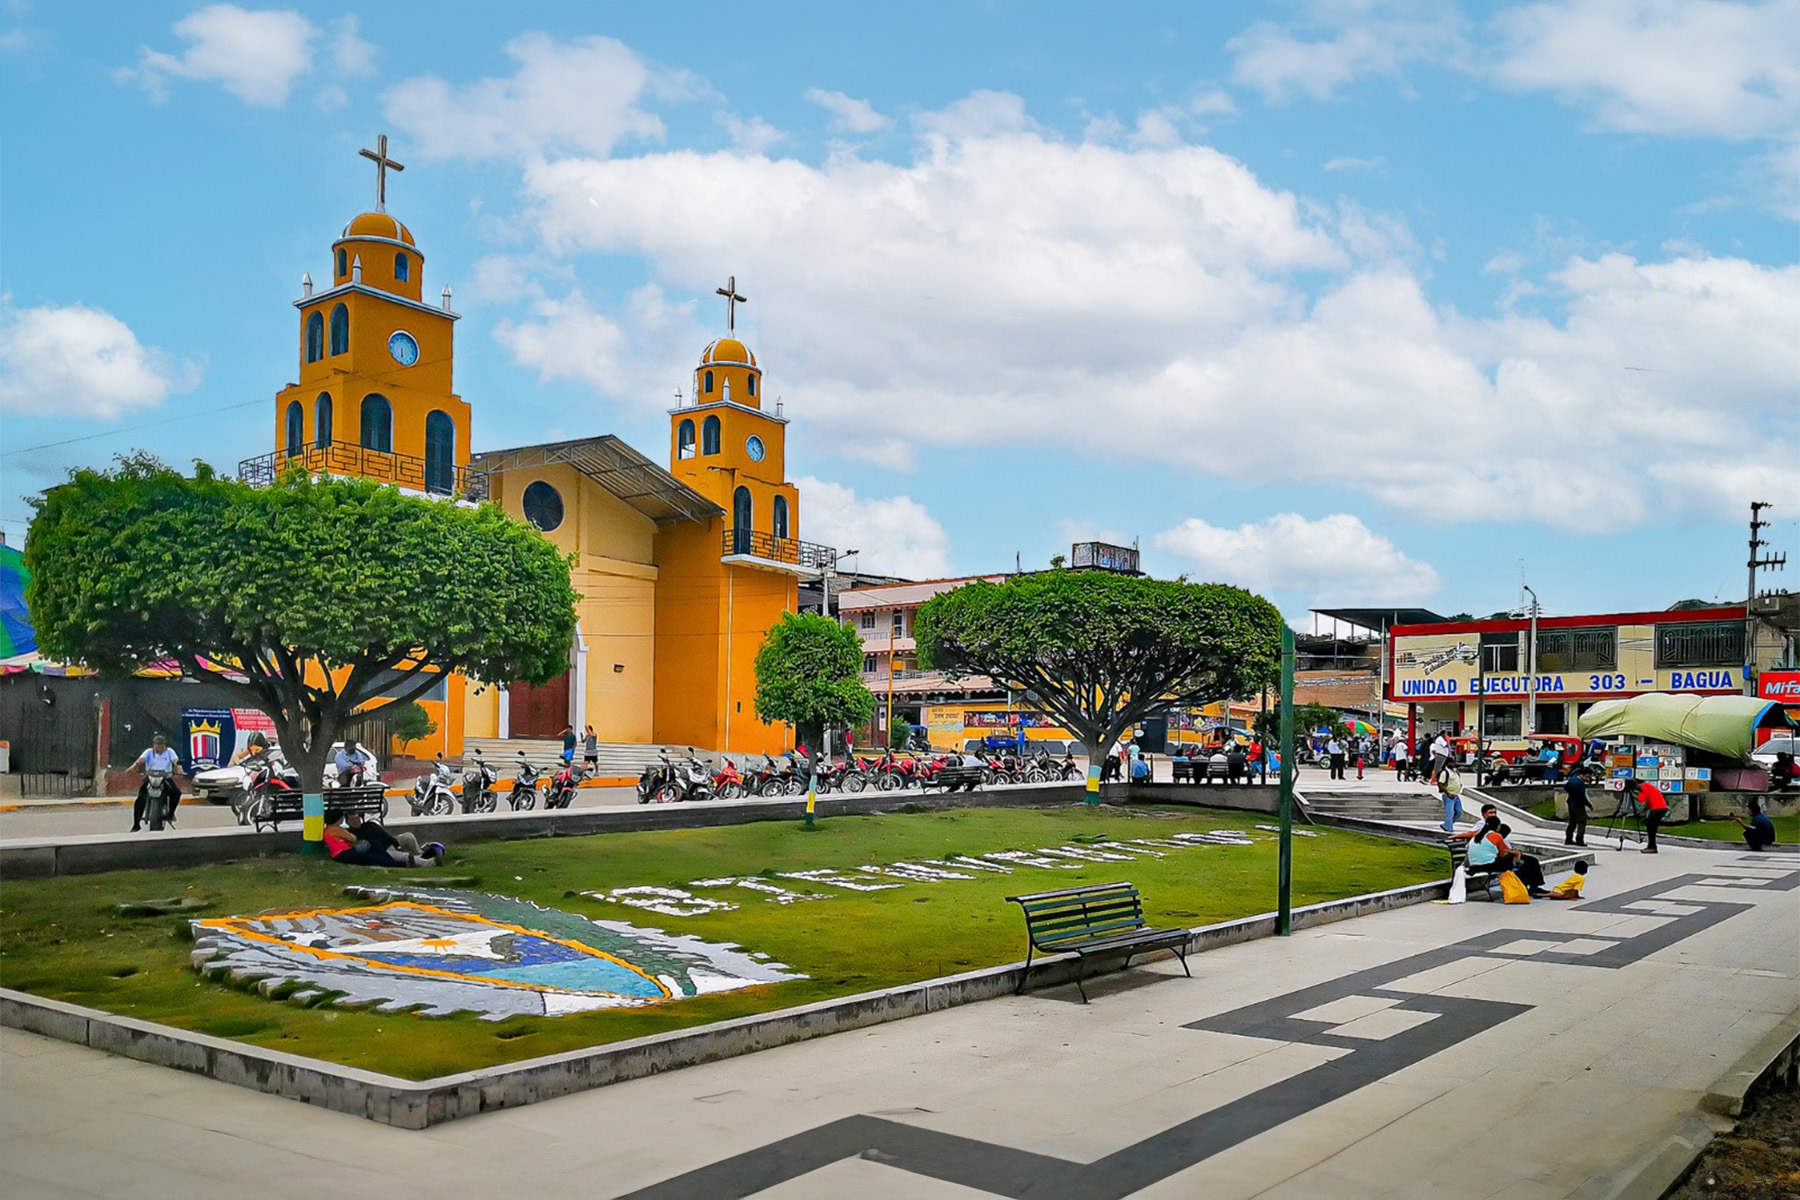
(727, 349)
(616, 467)
(377, 224)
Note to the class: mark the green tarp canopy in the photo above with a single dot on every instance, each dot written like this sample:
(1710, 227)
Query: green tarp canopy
(1725, 725)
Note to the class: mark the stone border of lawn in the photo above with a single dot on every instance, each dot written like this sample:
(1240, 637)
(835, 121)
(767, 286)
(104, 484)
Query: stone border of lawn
(85, 854)
(407, 1104)
(1659, 1172)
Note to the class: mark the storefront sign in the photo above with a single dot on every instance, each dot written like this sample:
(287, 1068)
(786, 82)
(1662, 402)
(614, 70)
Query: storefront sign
(1443, 667)
(1783, 686)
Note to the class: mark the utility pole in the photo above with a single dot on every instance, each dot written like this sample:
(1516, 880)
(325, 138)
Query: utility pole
(1531, 681)
(1773, 562)
(1284, 862)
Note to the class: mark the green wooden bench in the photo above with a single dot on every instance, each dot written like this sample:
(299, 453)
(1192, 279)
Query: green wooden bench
(270, 810)
(1100, 920)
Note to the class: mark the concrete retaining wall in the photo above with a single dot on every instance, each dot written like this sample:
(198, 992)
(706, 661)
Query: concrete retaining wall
(418, 1105)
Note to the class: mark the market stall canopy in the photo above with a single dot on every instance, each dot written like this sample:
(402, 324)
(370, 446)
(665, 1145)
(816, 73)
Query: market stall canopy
(1724, 725)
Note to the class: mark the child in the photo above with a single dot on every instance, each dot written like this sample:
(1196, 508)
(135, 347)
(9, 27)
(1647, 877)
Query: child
(1570, 888)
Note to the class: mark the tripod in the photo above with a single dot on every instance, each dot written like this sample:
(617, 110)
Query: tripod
(1625, 817)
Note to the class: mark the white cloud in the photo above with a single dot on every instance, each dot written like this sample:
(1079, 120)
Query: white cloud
(256, 56)
(1354, 164)
(896, 536)
(76, 361)
(638, 358)
(752, 136)
(1658, 66)
(1335, 559)
(350, 55)
(1163, 304)
(581, 96)
(848, 115)
(1343, 42)
(981, 113)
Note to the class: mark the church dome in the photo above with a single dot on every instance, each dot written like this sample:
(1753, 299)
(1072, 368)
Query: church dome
(380, 225)
(727, 350)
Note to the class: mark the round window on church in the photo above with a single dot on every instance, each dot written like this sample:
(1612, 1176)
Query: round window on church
(543, 506)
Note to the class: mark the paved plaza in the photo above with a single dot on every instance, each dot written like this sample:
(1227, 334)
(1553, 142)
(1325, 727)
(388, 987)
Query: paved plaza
(1475, 1050)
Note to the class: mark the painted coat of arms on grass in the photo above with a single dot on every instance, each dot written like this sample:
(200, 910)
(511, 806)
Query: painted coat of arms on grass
(449, 951)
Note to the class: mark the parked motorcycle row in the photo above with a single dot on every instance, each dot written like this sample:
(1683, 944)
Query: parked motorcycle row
(436, 794)
(693, 779)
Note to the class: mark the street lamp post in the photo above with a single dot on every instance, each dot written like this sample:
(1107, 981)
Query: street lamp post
(1531, 668)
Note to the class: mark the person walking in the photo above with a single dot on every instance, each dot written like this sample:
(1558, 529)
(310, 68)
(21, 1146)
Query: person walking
(1449, 785)
(1401, 773)
(1440, 756)
(1334, 755)
(568, 741)
(590, 750)
(1656, 807)
(1575, 834)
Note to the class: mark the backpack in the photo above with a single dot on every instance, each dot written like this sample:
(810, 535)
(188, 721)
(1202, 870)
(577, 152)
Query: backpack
(1452, 784)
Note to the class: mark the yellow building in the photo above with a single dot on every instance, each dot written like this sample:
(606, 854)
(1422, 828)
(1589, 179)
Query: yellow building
(681, 571)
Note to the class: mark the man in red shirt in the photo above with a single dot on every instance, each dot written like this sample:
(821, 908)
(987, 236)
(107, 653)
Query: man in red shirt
(1656, 807)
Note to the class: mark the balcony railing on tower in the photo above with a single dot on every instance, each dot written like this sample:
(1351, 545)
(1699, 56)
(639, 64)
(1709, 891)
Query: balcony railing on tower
(345, 458)
(792, 552)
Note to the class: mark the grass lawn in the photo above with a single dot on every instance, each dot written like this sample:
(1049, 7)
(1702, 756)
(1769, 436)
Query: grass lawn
(61, 937)
(1787, 830)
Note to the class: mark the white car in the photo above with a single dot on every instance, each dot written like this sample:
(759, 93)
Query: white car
(225, 785)
(1764, 755)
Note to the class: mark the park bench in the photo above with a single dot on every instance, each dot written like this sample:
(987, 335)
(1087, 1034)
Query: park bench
(266, 811)
(952, 778)
(1100, 920)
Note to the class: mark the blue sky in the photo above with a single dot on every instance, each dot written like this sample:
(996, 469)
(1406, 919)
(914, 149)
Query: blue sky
(1350, 302)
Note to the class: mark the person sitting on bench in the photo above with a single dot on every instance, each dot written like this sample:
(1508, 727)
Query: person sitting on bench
(363, 843)
(1759, 831)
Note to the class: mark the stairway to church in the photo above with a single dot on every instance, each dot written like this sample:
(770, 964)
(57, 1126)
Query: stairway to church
(617, 759)
(1400, 807)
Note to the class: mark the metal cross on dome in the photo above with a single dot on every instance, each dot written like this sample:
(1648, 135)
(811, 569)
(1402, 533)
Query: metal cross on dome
(382, 162)
(732, 300)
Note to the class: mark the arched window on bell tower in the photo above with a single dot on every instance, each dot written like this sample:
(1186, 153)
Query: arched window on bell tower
(684, 440)
(440, 453)
(315, 337)
(340, 330)
(778, 524)
(377, 423)
(296, 428)
(707, 384)
(709, 436)
(402, 268)
(322, 420)
(750, 385)
(741, 518)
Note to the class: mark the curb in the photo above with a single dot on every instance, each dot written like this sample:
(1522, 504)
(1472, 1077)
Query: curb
(410, 1104)
(1660, 1172)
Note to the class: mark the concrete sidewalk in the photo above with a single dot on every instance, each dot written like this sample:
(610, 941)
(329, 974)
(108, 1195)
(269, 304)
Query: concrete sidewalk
(1357, 1060)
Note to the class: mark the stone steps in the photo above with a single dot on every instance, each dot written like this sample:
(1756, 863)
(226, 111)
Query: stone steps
(617, 759)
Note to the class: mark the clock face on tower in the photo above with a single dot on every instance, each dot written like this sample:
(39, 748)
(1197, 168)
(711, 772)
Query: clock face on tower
(404, 349)
(755, 449)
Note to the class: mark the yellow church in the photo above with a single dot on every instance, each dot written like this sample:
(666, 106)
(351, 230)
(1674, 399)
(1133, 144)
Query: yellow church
(681, 571)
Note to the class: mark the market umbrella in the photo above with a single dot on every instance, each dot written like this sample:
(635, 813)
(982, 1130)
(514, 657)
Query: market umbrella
(17, 636)
(1357, 727)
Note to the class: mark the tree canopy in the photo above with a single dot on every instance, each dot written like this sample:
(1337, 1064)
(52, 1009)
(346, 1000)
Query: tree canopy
(808, 674)
(1100, 652)
(317, 597)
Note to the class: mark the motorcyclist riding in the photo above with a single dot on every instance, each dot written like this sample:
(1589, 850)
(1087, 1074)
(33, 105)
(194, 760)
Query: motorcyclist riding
(351, 761)
(157, 758)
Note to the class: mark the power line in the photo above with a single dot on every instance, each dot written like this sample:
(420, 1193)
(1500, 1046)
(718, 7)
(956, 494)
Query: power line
(88, 437)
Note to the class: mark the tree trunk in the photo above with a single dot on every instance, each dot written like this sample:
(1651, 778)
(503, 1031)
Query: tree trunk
(307, 749)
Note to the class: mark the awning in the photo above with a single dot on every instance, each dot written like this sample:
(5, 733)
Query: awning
(1724, 725)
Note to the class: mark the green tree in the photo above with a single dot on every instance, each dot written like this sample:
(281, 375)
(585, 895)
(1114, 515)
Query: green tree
(316, 598)
(1307, 718)
(411, 724)
(1100, 652)
(809, 674)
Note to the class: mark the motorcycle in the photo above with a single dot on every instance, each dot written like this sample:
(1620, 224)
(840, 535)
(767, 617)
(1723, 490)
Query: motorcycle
(431, 795)
(478, 786)
(524, 789)
(563, 785)
(846, 776)
(778, 778)
(694, 778)
(728, 783)
(157, 794)
(268, 779)
(651, 783)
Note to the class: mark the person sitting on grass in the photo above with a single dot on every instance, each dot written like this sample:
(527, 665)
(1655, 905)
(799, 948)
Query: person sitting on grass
(363, 843)
(1759, 831)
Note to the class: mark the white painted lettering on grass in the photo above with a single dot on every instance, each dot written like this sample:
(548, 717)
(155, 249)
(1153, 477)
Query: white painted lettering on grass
(671, 902)
(836, 878)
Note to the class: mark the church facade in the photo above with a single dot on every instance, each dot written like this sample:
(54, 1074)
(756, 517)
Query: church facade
(681, 570)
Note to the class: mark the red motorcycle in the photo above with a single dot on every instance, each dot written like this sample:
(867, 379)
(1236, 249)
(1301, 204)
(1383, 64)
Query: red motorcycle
(728, 782)
(563, 785)
(267, 781)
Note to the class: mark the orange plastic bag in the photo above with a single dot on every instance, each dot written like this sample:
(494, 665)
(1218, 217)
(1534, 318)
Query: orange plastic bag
(1511, 890)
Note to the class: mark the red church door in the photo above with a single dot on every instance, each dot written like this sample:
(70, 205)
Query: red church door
(538, 712)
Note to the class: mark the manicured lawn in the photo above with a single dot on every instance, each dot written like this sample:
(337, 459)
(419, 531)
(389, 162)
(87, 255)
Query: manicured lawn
(61, 937)
(1787, 830)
